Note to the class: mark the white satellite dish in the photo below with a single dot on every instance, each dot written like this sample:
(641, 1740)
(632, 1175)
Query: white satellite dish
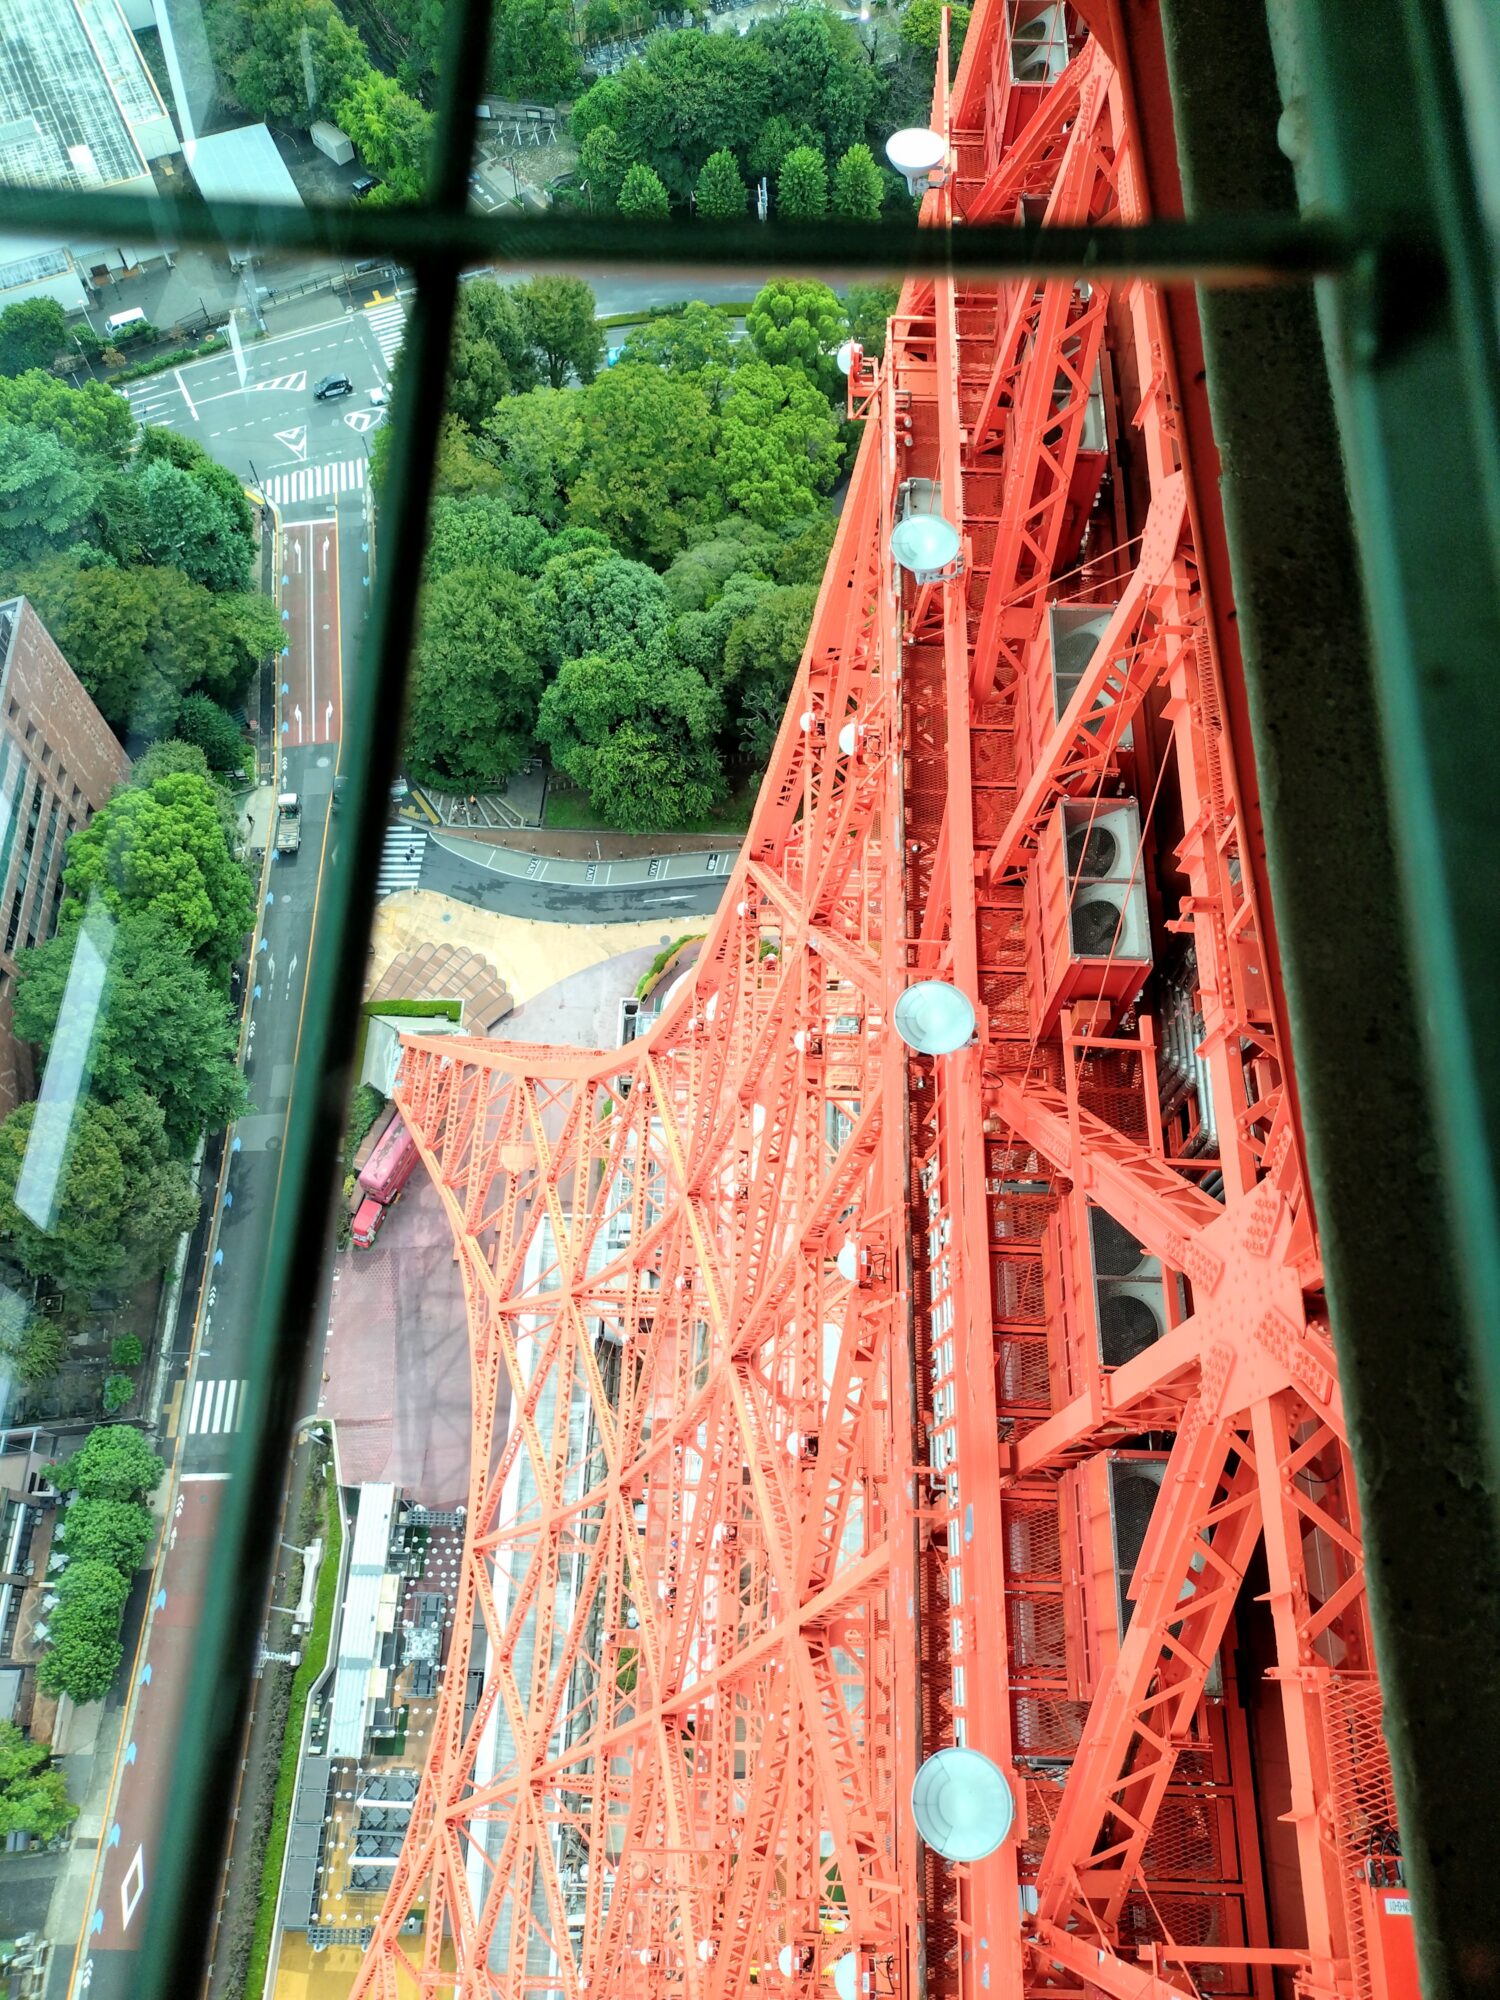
(962, 1804)
(916, 153)
(784, 1961)
(925, 544)
(846, 1976)
(843, 354)
(848, 737)
(847, 1261)
(934, 1018)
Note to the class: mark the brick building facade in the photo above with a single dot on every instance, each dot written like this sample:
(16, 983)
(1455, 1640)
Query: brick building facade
(59, 762)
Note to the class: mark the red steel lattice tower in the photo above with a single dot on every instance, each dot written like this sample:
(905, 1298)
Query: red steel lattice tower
(835, 1403)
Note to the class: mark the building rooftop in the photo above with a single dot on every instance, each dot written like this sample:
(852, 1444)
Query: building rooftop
(242, 165)
(78, 108)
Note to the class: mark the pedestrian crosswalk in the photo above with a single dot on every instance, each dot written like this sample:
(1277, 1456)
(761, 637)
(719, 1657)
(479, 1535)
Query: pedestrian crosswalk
(400, 859)
(217, 1407)
(387, 323)
(317, 482)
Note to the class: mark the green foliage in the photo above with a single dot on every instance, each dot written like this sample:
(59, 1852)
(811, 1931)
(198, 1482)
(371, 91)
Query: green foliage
(161, 850)
(33, 1791)
(641, 193)
(702, 635)
(190, 527)
(117, 1392)
(558, 316)
(117, 1532)
(601, 18)
(536, 444)
(365, 1106)
(776, 138)
(802, 184)
(858, 190)
(597, 602)
(114, 1462)
(33, 1344)
(799, 323)
(602, 162)
(491, 355)
(45, 495)
(779, 444)
(647, 475)
(921, 26)
(93, 421)
(32, 332)
(761, 657)
(734, 547)
(869, 307)
(264, 50)
(392, 132)
(474, 688)
(82, 1663)
(720, 191)
(94, 1591)
(120, 1200)
(156, 364)
(685, 343)
(126, 1351)
(162, 1028)
(532, 52)
(162, 759)
(689, 95)
(804, 556)
(820, 74)
(639, 739)
(201, 720)
(485, 533)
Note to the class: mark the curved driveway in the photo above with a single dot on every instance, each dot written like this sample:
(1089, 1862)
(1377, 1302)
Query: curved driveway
(576, 892)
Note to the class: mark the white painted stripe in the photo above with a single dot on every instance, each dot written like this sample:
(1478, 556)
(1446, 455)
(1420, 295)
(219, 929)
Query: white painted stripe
(198, 1388)
(199, 1477)
(213, 1422)
(229, 1402)
(177, 372)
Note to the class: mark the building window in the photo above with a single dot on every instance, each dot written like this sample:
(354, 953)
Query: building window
(23, 872)
(30, 732)
(12, 790)
(39, 900)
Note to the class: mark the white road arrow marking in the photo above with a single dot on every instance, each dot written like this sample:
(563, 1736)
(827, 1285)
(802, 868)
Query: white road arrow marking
(325, 552)
(297, 711)
(294, 440)
(297, 552)
(361, 420)
(328, 721)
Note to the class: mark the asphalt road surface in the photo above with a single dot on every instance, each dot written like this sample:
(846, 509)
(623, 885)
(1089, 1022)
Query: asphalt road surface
(528, 885)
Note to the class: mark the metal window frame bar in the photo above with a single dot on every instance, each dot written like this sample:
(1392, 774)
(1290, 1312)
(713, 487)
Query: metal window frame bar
(1400, 230)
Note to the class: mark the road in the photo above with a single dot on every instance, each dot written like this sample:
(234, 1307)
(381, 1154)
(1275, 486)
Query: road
(312, 460)
(592, 892)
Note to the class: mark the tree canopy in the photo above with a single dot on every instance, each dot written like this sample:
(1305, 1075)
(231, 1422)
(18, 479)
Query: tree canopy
(161, 850)
(118, 1203)
(799, 323)
(110, 1531)
(532, 52)
(684, 343)
(114, 1462)
(391, 130)
(201, 720)
(720, 191)
(780, 444)
(45, 494)
(647, 474)
(558, 316)
(188, 526)
(33, 1791)
(642, 193)
(94, 421)
(475, 688)
(266, 50)
(161, 1028)
(32, 332)
(492, 353)
(638, 737)
(858, 189)
(802, 184)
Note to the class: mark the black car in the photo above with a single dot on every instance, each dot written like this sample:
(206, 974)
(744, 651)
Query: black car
(363, 184)
(331, 386)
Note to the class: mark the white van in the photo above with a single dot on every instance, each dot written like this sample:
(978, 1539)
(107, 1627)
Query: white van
(117, 322)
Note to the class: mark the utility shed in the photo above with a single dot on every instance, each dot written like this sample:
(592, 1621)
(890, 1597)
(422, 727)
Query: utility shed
(331, 142)
(242, 165)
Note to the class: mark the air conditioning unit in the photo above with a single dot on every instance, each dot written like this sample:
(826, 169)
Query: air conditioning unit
(1073, 635)
(1130, 1303)
(1038, 42)
(1093, 931)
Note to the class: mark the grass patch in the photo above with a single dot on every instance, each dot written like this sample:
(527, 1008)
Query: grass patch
(314, 1659)
(731, 308)
(570, 812)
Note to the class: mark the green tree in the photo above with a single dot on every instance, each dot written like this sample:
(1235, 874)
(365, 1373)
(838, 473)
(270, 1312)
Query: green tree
(532, 52)
(858, 190)
(118, 1203)
(474, 689)
(921, 25)
(720, 191)
(779, 446)
(558, 315)
(802, 184)
(32, 333)
(535, 443)
(642, 194)
(603, 163)
(820, 74)
(161, 1026)
(34, 1344)
(268, 51)
(803, 557)
(82, 1663)
(647, 476)
(189, 527)
(391, 130)
(162, 850)
(690, 95)
(485, 533)
(45, 494)
(165, 759)
(597, 602)
(116, 1392)
(102, 620)
(33, 1791)
(685, 343)
(117, 1532)
(126, 1351)
(601, 18)
(201, 720)
(733, 547)
(869, 307)
(491, 354)
(799, 323)
(638, 737)
(114, 1462)
(775, 139)
(94, 421)
(701, 636)
(765, 645)
(94, 1591)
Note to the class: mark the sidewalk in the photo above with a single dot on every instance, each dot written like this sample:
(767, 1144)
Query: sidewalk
(621, 861)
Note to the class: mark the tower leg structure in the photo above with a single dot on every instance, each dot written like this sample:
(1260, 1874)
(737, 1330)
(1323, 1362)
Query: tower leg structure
(836, 1403)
